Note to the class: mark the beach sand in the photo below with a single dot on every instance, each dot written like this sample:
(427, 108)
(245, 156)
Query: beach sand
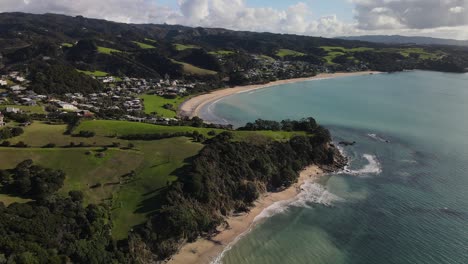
(205, 251)
(192, 107)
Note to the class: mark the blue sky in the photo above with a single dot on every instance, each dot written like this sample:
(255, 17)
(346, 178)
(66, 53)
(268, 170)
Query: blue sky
(328, 18)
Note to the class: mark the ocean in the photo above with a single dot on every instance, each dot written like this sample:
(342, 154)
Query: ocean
(403, 198)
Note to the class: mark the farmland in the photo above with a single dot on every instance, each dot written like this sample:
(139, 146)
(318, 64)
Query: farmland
(155, 104)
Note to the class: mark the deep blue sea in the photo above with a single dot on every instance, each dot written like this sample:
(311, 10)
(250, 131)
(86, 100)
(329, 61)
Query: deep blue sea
(404, 197)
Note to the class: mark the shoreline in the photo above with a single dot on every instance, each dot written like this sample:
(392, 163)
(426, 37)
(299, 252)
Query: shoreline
(206, 250)
(193, 106)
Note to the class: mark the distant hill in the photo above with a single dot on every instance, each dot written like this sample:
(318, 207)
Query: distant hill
(396, 39)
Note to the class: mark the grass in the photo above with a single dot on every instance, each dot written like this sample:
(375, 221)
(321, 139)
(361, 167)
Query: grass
(94, 73)
(154, 163)
(68, 45)
(194, 70)
(222, 52)
(151, 40)
(287, 52)
(423, 54)
(8, 199)
(136, 200)
(181, 47)
(105, 128)
(122, 128)
(144, 45)
(82, 170)
(335, 51)
(107, 51)
(39, 134)
(36, 109)
(155, 103)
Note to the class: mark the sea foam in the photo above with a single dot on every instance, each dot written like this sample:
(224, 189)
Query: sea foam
(373, 166)
(311, 193)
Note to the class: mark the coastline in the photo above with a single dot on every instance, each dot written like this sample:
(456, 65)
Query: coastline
(193, 106)
(206, 250)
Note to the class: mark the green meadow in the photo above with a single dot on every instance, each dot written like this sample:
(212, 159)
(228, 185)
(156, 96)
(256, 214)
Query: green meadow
(144, 45)
(194, 70)
(94, 73)
(287, 52)
(107, 51)
(155, 104)
(129, 180)
(181, 47)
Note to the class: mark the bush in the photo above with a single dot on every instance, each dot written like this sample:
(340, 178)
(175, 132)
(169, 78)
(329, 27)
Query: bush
(49, 145)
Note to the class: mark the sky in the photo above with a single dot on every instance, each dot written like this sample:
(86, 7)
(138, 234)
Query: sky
(327, 18)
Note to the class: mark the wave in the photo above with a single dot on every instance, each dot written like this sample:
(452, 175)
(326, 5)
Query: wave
(311, 193)
(377, 137)
(373, 166)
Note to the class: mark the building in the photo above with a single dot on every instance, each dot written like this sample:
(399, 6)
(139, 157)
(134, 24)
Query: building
(2, 123)
(3, 83)
(13, 110)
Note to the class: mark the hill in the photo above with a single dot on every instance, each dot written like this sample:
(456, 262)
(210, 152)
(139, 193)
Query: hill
(397, 39)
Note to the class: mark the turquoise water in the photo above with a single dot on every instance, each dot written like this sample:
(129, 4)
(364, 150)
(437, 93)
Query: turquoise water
(404, 198)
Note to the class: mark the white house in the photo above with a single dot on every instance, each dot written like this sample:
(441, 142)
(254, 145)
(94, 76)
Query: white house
(68, 107)
(3, 82)
(2, 123)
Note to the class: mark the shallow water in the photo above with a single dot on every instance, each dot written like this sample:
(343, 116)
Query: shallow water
(404, 198)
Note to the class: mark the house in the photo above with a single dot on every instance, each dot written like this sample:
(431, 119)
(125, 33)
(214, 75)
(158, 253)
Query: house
(3, 83)
(68, 107)
(17, 88)
(13, 110)
(2, 123)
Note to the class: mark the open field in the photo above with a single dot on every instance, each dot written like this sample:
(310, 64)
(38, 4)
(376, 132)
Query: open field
(144, 45)
(151, 40)
(221, 52)
(129, 180)
(121, 128)
(423, 54)
(37, 109)
(107, 51)
(192, 69)
(39, 134)
(135, 200)
(94, 73)
(334, 52)
(155, 103)
(287, 52)
(181, 47)
(68, 45)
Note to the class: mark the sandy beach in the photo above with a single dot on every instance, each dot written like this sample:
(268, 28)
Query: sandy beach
(205, 251)
(192, 107)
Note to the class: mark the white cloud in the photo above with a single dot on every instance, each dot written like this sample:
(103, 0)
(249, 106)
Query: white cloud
(431, 17)
(411, 14)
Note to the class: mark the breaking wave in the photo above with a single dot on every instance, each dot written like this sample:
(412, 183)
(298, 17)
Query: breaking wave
(311, 193)
(377, 137)
(373, 166)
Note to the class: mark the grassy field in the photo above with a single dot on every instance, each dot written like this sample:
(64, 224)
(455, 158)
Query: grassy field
(144, 45)
(334, 52)
(122, 128)
(107, 51)
(39, 134)
(221, 52)
(286, 52)
(94, 73)
(151, 40)
(153, 163)
(135, 200)
(36, 109)
(105, 128)
(423, 54)
(181, 47)
(68, 45)
(194, 70)
(155, 103)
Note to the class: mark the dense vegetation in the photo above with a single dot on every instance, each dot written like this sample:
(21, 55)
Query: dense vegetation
(52, 229)
(58, 45)
(228, 177)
